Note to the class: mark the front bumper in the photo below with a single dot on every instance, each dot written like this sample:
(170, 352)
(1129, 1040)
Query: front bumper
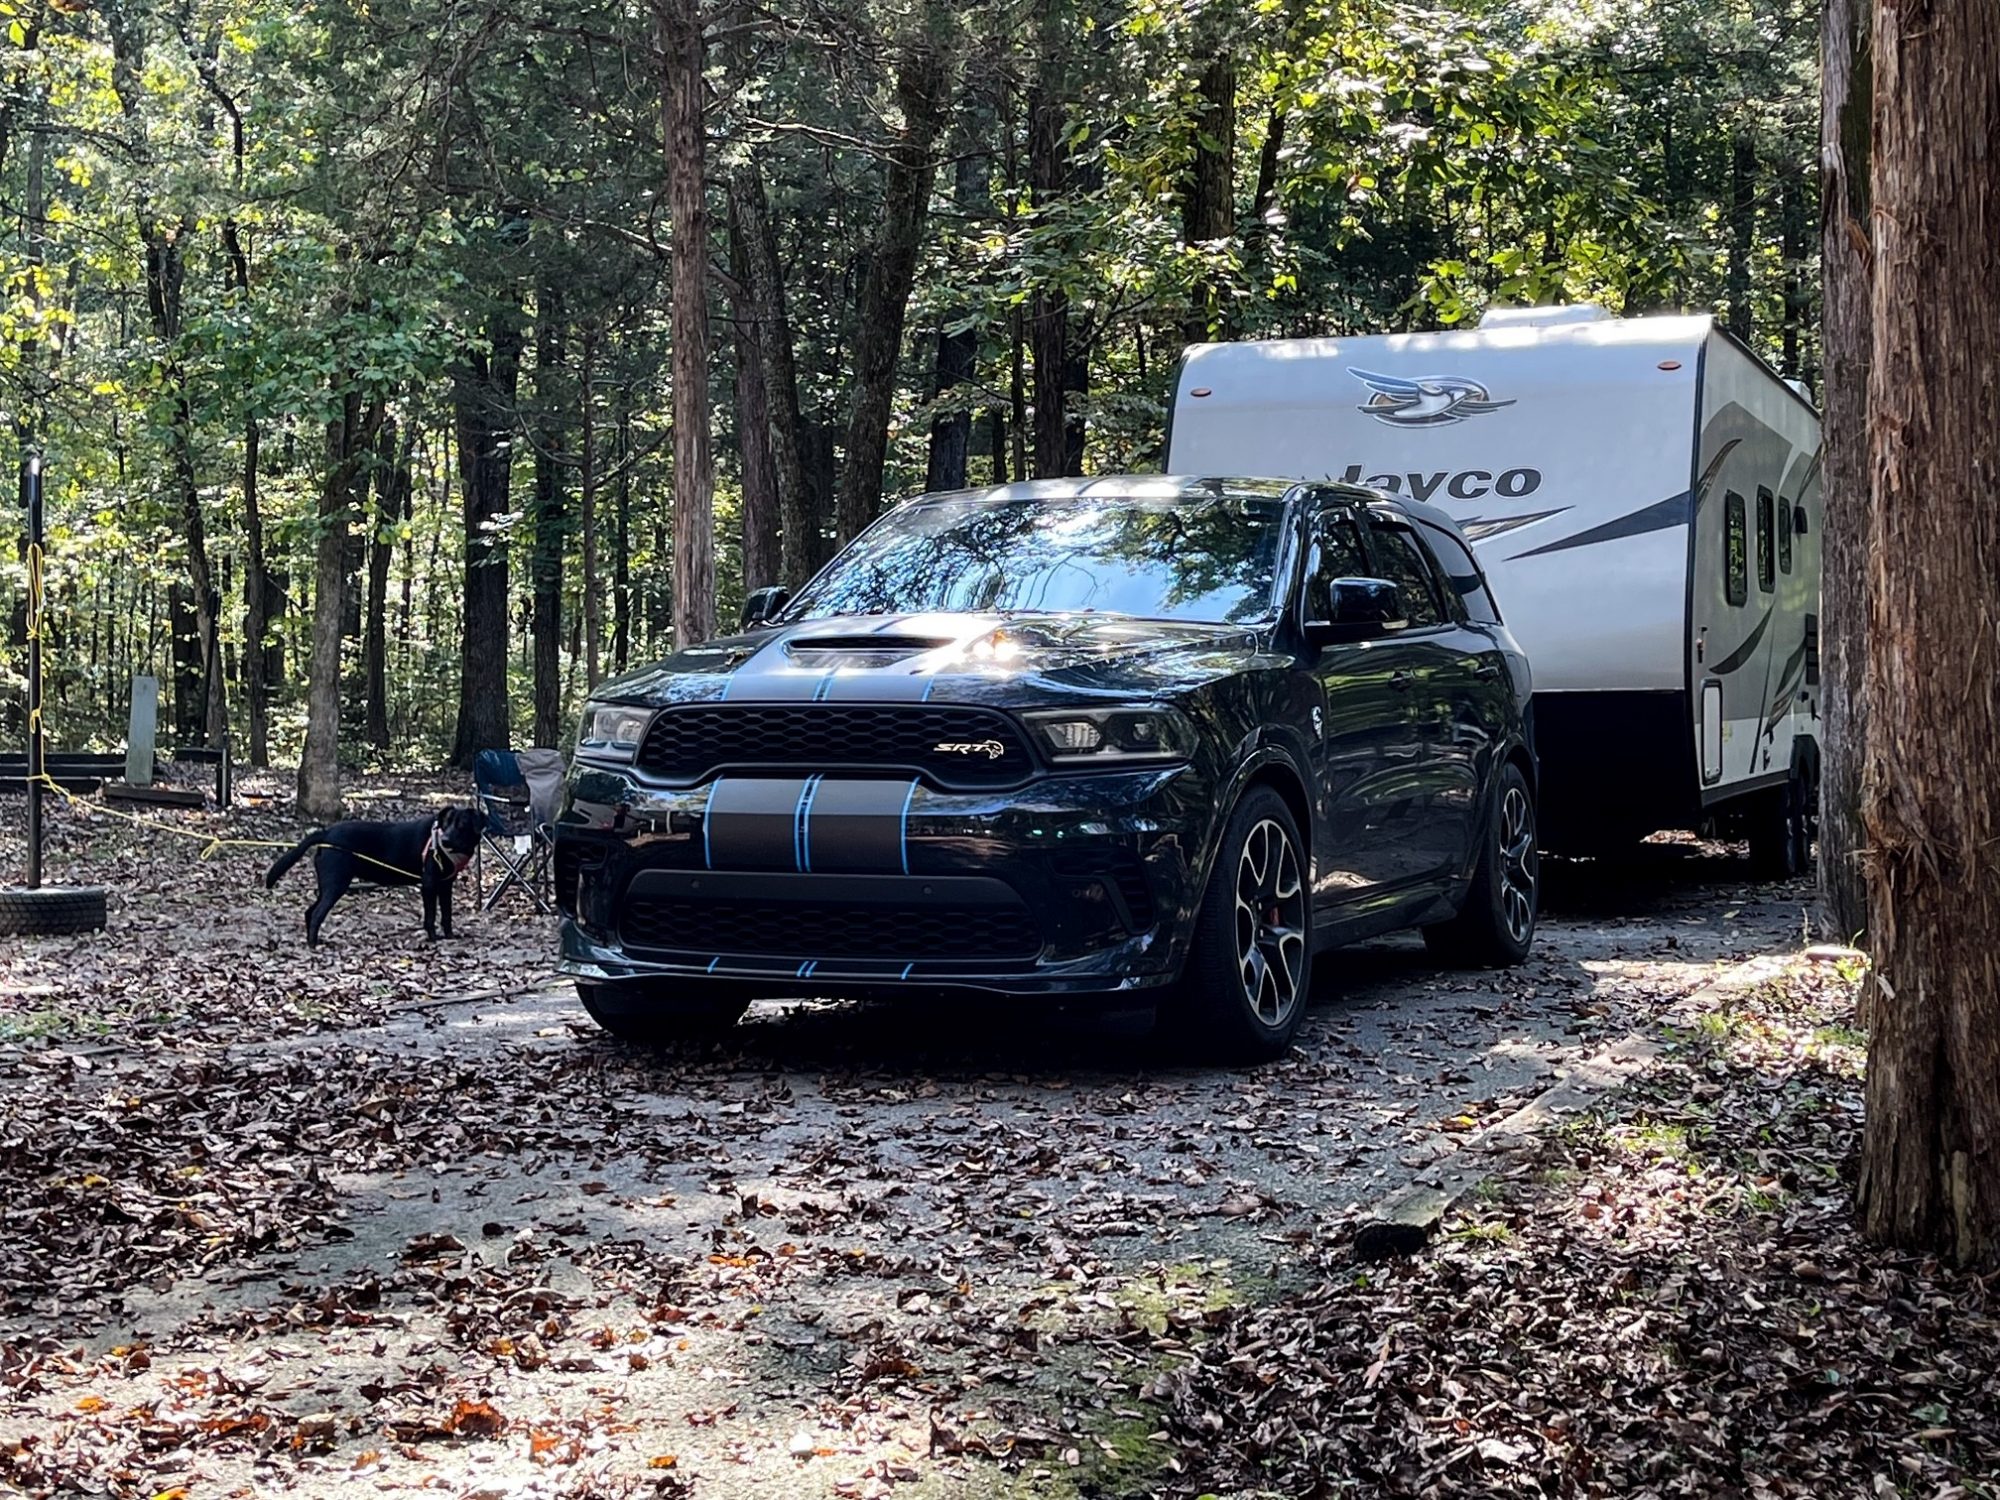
(1070, 885)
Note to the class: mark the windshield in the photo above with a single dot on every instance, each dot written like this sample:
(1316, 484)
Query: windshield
(1211, 559)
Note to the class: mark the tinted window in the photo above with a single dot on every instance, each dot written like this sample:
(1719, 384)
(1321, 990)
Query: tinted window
(1401, 560)
(1463, 575)
(1736, 542)
(1767, 546)
(1337, 553)
(1173, 559)
(1784, 535)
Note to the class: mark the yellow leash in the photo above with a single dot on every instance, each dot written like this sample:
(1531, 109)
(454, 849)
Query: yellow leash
(211, 845)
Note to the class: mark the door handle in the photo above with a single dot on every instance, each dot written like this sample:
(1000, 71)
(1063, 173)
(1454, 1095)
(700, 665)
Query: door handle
(1402, 678)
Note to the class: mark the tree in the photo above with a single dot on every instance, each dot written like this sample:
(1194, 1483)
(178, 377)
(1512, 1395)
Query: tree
(1847, 260)
(679, 23)
(1930, 1165)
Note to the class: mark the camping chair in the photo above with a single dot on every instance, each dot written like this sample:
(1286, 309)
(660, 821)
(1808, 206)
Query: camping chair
(521, 792)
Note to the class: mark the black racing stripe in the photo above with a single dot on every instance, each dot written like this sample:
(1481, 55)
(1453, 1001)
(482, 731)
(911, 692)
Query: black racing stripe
(1659, 516)
(752, 822)
(1743, 652)
(856, 827)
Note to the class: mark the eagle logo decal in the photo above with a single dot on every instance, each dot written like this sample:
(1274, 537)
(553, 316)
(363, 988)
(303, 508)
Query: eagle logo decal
(1426, 401)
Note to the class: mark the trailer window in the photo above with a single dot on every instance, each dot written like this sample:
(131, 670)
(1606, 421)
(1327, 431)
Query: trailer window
(1462, 574)
(1784, 535)
(1767, 541)
(1736, 541)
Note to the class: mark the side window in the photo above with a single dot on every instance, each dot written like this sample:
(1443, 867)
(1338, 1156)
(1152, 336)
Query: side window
(1767, 542)
(1784, 535)
(1463, 575)
(1403, 562)
(1337, 553)
(1736, 559)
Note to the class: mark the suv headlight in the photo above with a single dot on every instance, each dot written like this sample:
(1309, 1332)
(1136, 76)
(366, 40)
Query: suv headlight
(1112, 736)
(612, 731)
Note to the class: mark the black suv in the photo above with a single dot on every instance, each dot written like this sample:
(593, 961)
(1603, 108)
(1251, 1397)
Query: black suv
(1147, 737)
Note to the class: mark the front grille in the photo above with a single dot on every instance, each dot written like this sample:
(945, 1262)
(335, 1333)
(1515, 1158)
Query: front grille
(691, 743)
(831, 929)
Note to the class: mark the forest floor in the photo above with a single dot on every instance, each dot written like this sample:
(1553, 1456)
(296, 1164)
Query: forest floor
(393, 1218)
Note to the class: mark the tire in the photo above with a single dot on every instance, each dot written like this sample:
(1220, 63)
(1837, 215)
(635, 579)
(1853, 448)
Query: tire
(1780, 829)
(1243, 990)
(653, 1013)
(52, 911)
(1495, 927)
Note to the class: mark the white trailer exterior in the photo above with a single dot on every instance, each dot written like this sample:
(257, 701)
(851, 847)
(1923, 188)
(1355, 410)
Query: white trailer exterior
(1644, 495)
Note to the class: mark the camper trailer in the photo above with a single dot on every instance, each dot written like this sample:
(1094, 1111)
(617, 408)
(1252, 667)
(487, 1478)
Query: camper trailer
(1644, 495)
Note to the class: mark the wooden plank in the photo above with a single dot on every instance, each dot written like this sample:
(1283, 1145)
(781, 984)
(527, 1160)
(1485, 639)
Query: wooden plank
(159, 796)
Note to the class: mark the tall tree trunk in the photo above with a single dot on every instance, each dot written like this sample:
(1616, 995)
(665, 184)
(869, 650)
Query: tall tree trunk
(687, 203)
(592, 622)
(392, 488)
(551, 519)
(485, 386)
(923, 89)
(1742, 231)
(1930, 1165)
(1847, 90)
(761, 562)
(798, 523)
(1048, 319)
(1792, 235)
(349, 436)
(1208, 198)
(956, 357)
(621, 556)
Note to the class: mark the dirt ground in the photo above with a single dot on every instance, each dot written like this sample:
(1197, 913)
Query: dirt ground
(281, 1222)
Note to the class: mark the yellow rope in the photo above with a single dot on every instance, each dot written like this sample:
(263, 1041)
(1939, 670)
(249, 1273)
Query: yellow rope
(211, 845)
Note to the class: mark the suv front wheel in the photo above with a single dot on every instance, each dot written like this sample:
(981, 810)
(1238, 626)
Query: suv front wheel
(1243, 991)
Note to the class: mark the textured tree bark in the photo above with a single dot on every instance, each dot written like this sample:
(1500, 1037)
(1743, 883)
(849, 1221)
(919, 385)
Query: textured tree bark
(1846, 84)
(753, 420)
(1930, 1165)
(1048, 317)
(798, 525)
(349, 436)
(923, 88)
(687, 203)
(1208, 198)
(955, 359)
(586, 483)
(1742, 232)
(484, 389)
(392, 487)
(551, 517)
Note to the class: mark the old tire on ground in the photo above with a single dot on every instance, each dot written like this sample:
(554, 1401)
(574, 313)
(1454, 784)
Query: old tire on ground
(1780, 829)
(653, 1013)
(51, 911)
(1496, 925)
(1244, 989)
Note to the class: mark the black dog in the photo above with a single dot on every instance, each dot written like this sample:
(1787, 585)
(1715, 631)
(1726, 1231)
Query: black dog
(424, 851)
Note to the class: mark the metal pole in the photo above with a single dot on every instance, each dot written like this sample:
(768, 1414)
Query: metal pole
(31, 498)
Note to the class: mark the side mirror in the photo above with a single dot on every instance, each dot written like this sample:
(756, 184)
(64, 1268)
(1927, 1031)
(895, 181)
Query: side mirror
(764, 604)
(1356, 609)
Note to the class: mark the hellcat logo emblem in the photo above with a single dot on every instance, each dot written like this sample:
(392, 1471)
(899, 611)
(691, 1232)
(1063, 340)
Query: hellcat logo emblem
(1426, 401)
(991, 749)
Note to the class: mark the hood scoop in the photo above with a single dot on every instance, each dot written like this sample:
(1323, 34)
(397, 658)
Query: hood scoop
(887, 647)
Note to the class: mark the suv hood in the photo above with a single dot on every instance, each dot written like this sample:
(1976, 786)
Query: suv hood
(947, 657)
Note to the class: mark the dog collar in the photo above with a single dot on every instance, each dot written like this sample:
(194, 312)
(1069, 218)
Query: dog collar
(434, 846)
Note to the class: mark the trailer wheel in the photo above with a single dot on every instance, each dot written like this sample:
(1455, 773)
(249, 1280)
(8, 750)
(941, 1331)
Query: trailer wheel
(51, 911)
(1780, 829)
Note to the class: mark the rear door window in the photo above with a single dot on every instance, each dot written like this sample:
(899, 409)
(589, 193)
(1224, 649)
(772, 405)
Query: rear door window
(1462, 574)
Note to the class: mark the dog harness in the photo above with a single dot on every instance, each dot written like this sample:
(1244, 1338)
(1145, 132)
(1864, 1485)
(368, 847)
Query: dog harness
(434, 846)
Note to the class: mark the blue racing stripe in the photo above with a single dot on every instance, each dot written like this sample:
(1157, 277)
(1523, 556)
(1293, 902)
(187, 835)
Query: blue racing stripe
(929, 683)
(712, 963)
(825, 686)
(708, 826)
(805, 824)
(906, 971)
(903, 826)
